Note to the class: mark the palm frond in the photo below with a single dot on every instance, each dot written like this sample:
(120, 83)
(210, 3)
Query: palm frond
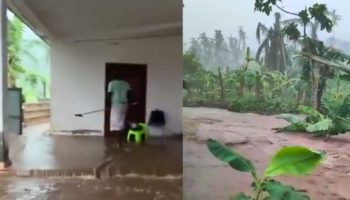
(261, 29)
(338, 66)
(261, 48)
(332, 53)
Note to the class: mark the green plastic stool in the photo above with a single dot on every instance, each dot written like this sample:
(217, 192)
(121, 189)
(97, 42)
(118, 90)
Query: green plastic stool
(138, 133)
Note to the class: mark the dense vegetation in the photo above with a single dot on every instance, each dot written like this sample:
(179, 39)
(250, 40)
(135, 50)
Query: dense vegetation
(291, 67)
(18, 48)
(292, 72)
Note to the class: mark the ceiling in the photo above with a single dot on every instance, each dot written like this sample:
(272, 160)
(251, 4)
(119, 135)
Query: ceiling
(100, 19)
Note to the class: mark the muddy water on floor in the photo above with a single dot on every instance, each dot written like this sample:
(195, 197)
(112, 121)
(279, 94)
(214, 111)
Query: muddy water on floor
(251, 135)
(16, 188)
(151, 171)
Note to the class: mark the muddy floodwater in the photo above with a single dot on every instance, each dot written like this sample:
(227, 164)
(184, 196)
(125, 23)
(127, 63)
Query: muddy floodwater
(17, 188)
(206, 178)
(92, 168)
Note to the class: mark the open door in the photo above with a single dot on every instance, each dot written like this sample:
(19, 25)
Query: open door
(136, 76)
(15, 111)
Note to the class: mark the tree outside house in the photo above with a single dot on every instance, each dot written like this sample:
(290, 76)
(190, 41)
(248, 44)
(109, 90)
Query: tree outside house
(28, 60)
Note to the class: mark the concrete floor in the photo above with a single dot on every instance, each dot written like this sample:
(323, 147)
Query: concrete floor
(20, 188)
(39, 151)
(151, 171)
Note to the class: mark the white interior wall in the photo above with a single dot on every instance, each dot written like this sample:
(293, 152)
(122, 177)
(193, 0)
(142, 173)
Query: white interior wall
(78, 76)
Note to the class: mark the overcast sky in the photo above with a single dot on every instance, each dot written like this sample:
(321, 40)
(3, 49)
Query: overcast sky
(227, 15)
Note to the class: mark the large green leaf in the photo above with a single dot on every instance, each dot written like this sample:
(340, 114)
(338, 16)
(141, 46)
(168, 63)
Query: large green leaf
(294, 160)
(298, 127)
(278, 191)
(341, 124)
(289, 118)
(311, 112)
(229, 156)
(240, 196)
(323, 125)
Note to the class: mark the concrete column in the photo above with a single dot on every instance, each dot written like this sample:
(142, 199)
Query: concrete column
(4, 160)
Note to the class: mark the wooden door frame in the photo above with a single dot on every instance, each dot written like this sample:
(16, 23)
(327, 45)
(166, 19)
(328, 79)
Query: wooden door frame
(107, 101)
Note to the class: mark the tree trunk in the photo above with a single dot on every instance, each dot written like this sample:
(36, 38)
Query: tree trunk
(221, 86)
(241, 84)
(44, 89)
(300, 96)
(303, 99)
(316, 102)
(258, 88)
(320, 85)
(283, 56)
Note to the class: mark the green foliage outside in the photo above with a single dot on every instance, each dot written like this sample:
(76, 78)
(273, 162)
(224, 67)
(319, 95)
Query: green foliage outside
(33, 82)
(292, 72)
(290, 68)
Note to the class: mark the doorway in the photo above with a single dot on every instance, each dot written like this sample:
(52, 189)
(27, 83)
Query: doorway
(136, 76)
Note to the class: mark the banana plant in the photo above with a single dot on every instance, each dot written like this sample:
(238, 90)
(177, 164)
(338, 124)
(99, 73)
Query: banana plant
(314, 123)
(242, 80)
(292, 160)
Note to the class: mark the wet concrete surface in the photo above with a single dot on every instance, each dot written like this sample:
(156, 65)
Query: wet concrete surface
(50, 152)
(17, 188)
(65, 167)
(251, 136)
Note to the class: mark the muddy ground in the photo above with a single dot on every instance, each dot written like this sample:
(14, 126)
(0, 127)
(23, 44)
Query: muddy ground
(206, 178)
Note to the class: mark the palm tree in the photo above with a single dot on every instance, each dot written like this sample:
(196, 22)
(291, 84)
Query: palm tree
(234, 49)
(276, 57)
(220, 48)
(242, 38)
(208, 48)
(335, 19)
(195, 47)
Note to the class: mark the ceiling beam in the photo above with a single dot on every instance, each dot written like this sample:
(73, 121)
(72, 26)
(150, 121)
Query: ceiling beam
(170, 28)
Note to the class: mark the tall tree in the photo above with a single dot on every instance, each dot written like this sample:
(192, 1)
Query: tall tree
(220, 49)
(276, 57)
(335, 19)
(208, 49)
(242, 38)
(234, 50)
(195, 47)
(18, 46)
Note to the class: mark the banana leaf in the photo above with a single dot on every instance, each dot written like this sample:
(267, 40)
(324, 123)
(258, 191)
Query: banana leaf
(323, 125)
(341, 67)
(289, 118)
(343, 125)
